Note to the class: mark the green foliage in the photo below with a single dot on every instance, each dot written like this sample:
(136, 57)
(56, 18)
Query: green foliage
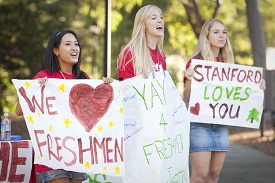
(181, 37)
(26, 26)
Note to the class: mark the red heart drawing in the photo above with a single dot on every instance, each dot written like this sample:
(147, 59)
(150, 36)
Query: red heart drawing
(89, 105)
(195, 109)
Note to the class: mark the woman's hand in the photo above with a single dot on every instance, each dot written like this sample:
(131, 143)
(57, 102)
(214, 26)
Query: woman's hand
(262, 85)
(107, 80)
(189, 73)
(42, 81)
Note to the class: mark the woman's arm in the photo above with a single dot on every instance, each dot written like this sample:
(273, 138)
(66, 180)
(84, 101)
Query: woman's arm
(18, 110)
(189, 73)
(187, 91)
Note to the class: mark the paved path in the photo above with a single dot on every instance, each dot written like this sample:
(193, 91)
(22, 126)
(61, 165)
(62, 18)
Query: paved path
(247, 165)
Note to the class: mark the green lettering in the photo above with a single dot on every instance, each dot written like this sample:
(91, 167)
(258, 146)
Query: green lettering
(142, 95)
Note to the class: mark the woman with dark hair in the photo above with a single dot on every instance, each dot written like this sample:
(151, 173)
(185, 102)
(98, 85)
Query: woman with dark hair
(61, 60)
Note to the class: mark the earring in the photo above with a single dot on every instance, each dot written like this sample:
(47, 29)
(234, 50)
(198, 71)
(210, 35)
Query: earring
(57, 55)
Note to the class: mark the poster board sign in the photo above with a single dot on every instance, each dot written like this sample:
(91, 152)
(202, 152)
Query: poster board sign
(227, 94)
(75, 125)
(156, 132)
(155, 129)
(15, 161)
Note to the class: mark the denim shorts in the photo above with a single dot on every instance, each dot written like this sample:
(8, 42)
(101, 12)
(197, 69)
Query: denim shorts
(56, 174)
(208, 137)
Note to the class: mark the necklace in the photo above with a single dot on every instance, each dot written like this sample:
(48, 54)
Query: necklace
(158, 63)
(62, 74)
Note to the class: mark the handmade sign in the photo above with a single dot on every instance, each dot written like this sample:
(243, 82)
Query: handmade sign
(15, 161)
(156, 132)
(226, 94)
(75, 125)
(156, 129)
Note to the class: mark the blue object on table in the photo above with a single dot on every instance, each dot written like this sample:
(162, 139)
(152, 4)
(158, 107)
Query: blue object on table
(15, 137)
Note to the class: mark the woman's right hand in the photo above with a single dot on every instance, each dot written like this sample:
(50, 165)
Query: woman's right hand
(189, 73)
(42, 81)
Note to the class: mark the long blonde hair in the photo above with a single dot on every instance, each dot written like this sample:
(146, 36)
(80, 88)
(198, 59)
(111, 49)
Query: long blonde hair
(141, 58)
(204, 48)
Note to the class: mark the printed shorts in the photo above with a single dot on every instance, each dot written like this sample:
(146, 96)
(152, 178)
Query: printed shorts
(208, 137)
(56, 174)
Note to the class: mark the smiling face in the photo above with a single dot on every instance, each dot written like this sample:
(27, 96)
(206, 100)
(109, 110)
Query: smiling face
(217, 36)
(68, 52)
(154, 25)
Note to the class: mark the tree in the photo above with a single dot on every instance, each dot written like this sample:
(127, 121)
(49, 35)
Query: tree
(26, 25)
(256, 32)
(193, 13)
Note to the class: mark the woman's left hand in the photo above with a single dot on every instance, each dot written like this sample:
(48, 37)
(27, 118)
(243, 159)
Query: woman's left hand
(262, 85)
(189, 73)
(107, 80)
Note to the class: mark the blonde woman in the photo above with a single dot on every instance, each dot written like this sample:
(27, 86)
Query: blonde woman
(143, 54)
(209, 142)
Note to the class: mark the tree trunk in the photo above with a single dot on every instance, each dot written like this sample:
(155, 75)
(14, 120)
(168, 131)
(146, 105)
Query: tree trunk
(256, 33)
(193, 14)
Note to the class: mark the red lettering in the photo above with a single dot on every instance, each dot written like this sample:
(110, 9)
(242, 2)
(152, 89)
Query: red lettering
(81, 150)
(39, 144)
(239, 75)
(58, 148)
(17, 161)
(74, 154)
(50, 106)
(233, 73)
(51, 146)
(32, 104)
(4, 157)
(108, 150)
(101, 146)
(197, 71)
(258, 75)
(118, 150)
(249, 74)
(22, 91)
(224, 74)
(216, 73)
(208, 67)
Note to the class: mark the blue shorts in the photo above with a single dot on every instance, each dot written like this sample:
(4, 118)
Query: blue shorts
(208, 137)
(56, 174)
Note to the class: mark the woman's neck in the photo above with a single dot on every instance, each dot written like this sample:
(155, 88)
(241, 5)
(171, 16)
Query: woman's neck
(152, 43)
(216, 51)
(67, 70)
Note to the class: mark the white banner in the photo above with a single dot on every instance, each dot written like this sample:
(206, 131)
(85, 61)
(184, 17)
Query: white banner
(75, 124)
(156, 132)
(226, 94)
(155, 129)
(15, 161)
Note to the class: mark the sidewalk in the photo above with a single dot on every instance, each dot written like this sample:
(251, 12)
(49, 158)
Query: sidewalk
(247, 165)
